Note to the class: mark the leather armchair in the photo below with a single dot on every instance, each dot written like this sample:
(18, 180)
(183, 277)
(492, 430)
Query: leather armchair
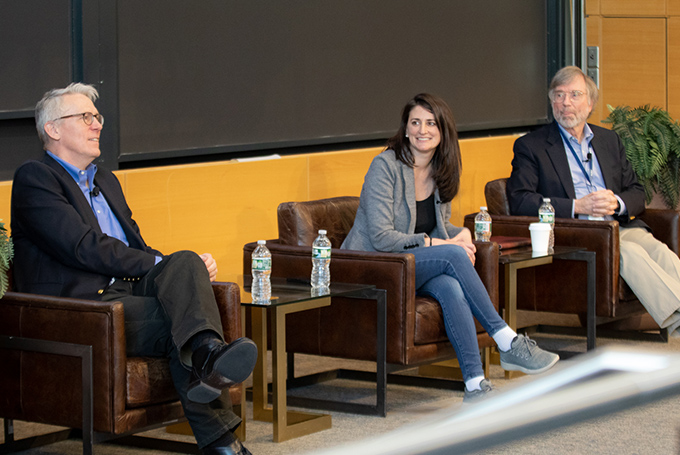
(347, 328)
(130, 394)
(544, 288)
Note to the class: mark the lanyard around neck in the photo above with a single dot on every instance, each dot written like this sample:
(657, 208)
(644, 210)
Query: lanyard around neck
(578, 159)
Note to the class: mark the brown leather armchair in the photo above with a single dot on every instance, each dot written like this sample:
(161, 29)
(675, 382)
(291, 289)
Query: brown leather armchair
(128, 394)
(347, 329)
(545, 288)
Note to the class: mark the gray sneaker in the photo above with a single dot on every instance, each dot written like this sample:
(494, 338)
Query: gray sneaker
(526, 357)
(486, 391)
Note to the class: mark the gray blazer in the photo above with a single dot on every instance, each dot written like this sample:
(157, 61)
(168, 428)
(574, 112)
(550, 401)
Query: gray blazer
(386, 218)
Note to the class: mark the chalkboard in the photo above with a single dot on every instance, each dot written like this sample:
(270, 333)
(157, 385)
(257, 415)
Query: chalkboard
(218, 76)
(192, 81)
(35, 53)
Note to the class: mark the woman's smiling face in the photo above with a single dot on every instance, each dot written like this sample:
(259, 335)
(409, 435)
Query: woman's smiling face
(423, 132)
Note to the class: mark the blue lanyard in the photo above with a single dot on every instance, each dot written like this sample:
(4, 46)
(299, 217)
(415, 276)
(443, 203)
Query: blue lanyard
(578, 159)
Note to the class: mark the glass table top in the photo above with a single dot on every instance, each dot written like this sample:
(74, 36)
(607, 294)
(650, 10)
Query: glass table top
(524, 253)
(287, 291)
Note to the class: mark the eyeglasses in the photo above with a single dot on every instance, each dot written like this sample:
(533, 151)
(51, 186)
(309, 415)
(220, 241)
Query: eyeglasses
(574, 96)
(88, 117)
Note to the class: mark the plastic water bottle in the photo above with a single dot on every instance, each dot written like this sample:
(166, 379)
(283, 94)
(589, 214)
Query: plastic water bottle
(321, 263)
(483, 225)
(261, 269)
(546, 214)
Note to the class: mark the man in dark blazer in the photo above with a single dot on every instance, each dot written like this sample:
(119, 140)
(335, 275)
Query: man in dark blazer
(584, 171)
(74, 236)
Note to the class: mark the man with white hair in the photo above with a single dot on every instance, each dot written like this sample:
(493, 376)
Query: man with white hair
(74, 236)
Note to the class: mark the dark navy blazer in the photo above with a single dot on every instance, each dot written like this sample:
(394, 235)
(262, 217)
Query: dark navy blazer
(59, 247)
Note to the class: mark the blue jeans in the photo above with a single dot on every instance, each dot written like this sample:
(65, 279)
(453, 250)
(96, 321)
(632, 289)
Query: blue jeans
(445, 273)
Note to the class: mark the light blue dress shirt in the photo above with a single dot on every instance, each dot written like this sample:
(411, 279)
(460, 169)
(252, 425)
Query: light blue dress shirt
(108, 222)
(583, 186)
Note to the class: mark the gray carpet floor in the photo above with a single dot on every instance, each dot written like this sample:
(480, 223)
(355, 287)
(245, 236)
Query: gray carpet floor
(651, 428)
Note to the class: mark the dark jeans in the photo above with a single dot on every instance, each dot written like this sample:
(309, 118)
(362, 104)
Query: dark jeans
(163, 310)
(445, 273)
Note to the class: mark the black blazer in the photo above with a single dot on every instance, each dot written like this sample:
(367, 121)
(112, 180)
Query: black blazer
(59, 247)
(540, 169)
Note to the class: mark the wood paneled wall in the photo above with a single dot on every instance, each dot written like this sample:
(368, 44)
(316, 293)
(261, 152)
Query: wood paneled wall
(218, 207)
(639, 43)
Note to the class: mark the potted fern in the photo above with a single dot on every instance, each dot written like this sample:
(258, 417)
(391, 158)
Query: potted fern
(652, 142)
(6, 255)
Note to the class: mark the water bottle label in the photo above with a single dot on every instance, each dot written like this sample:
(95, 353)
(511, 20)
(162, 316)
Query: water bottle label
(547, 217)
(482, 227)
(321, 252)
(262, 264)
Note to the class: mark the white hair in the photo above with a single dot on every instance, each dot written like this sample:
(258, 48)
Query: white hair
(49, 107)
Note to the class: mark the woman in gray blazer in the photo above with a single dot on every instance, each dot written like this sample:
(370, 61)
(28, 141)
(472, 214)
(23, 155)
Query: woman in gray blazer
(405, 206)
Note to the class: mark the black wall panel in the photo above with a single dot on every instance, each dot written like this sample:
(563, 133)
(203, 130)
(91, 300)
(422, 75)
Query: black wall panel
(232, 75)
(215, 78)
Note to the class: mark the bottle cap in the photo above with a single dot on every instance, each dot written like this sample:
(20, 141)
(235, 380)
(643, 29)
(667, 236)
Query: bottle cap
(483, 207)
(546, 199)
(322, 232)
(261, 242)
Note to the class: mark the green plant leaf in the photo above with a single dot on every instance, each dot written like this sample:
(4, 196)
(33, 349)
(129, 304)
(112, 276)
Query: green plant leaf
(651, 139)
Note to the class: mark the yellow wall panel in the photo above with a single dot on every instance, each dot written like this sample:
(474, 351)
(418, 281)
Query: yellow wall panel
(216, 207)
(339, 173)
(633, 62)
(592, 7)
(484, 159)
(674, 67)
(673, 7)
(633, 7)
(5, 200)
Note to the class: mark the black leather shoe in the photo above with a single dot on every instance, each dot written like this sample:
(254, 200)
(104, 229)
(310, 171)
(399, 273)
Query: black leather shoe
(235, 448)
(217, 366)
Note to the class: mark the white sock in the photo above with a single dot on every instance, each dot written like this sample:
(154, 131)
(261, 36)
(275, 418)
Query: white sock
(473, 384)
(504, 337)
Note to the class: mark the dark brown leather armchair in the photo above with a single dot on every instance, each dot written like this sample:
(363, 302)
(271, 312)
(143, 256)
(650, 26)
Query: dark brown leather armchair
(545, 288)
(347, 328)
(129, 394)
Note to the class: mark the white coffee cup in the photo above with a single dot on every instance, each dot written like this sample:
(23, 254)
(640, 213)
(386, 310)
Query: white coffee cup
(540, 237)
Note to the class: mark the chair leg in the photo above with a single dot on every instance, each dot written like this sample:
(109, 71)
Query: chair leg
(486, 360)
(450, 369)
(9, 430)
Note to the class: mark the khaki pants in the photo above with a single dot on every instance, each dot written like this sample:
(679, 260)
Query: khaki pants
(652, 271)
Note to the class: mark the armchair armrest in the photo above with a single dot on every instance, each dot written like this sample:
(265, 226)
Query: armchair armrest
(599, 236)
(228, 297)
(486, 264)
(49, 397)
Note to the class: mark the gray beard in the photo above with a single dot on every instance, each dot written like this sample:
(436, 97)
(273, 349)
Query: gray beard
(568, 124)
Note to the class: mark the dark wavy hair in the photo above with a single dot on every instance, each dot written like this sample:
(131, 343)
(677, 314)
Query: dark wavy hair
(446, 162)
